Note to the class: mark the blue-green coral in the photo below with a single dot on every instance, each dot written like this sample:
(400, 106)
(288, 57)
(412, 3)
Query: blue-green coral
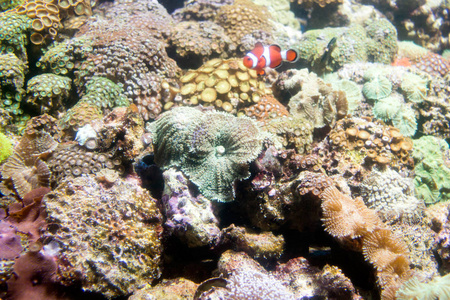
(432, 176)
(213, 148)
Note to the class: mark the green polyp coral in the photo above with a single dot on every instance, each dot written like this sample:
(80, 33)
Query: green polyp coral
(432, 175)
(6, 147)
(350, 46)
(60, 58)
(387, 108)
(104, 93)
(213, 148)
(13, 35)
(415, 87)
(12, 76)
(46, 92)
(405, 121)
(9, 4)
(382, 41)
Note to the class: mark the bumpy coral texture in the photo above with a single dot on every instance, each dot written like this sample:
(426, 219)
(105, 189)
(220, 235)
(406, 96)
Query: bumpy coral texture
(224, 84)
(12, 79)
(217, 148)
(244, 18)
(392, 196)
(313, 99)
(109, 237)
(132, 54)
(190, 218)
(432, 175)
(200, 40)
(47, 92)
(14, 35)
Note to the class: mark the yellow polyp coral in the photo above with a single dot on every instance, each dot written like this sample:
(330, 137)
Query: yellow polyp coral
(226, 85)
(48, 16)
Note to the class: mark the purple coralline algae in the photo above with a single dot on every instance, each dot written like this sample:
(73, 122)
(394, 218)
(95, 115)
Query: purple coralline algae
(190, 218)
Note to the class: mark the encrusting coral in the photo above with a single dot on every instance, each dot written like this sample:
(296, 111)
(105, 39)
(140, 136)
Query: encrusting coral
(312, 98)
(432, 175)
(213, 148)
(110, 237)
(392, 196)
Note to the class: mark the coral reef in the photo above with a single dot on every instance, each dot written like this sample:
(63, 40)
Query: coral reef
(109, 237)
(170, 289)
(432, 175)
(13, 243)
(243, 18)
(200, 41)
(392, 197)
(375, 42)
(5, 148)
(12, 79)
(14, 37)
(258, 245)
(129, 53)
(320, 3)
(215, 148)
(380, 144)
(224, 84)
(140, 158)
(436, 288)
(190, 218)
(47, 92)
(313, 99)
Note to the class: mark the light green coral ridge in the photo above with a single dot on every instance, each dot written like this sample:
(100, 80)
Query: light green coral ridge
(432, 176)
(212, 148)
(375, 42)
(6, 147)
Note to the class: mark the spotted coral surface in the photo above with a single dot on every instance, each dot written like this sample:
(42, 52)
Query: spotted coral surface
(110, 238)
(392, 196)
(48, 92)
(129, 53)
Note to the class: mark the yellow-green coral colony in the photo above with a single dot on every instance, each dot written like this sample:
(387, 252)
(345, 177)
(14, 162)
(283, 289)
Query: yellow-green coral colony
(223, 84)
(46, 92)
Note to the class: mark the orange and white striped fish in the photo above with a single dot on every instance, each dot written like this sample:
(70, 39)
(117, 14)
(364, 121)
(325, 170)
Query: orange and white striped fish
(268, 56)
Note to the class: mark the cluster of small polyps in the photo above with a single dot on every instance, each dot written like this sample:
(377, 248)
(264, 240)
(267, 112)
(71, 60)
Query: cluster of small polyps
(133, 56)
(110, 238)
(392, 196)
(213, 148)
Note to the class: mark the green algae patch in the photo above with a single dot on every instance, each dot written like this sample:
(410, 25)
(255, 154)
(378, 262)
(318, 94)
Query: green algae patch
(6, 147)
(432, 175)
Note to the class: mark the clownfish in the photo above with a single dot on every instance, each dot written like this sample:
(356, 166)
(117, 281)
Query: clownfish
(268, 56)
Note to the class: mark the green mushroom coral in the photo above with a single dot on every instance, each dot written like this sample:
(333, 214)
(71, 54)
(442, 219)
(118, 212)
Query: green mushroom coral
(213, 148)
(432, 176)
